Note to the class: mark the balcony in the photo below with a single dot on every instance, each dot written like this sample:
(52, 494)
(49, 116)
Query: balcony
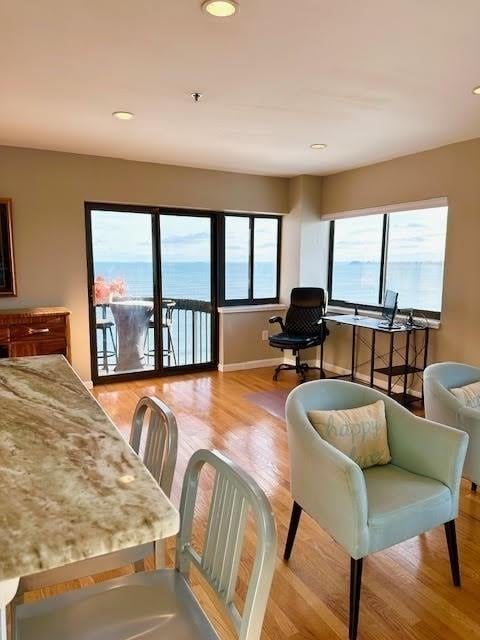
(125, 334)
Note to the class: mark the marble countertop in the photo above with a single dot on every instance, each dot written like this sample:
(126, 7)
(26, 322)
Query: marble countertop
(70, 486)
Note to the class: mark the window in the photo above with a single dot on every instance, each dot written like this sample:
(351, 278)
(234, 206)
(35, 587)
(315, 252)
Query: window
(399, 250)
(250, 259)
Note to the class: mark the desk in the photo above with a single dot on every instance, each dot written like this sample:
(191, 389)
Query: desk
(391, 370)
(71, 486)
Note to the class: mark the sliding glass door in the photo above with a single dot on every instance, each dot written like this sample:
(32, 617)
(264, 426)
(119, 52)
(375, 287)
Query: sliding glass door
(187, 286)
(152, 291)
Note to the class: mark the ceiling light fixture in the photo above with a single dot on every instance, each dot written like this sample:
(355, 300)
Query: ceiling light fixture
(220, 8)
(476, 91)
(123, 115)
(318, 145)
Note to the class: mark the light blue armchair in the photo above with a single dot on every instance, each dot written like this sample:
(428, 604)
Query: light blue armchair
(366, 511)
(442, 406)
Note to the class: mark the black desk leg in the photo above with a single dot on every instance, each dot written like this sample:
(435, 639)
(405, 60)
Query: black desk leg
(425, 357)
(390, 364)
(407, 359)
(372, 357)
(354, 336)
(322, 372)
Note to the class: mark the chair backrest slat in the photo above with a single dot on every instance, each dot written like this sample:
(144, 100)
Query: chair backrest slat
(234, 495)
(160, 454)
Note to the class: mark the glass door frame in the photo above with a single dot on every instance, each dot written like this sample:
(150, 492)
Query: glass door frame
(158, 369)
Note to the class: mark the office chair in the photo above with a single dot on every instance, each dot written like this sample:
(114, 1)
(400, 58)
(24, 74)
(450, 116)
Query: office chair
(303, 328)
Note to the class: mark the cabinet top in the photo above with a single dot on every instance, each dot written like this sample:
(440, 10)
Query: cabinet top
(32, 312)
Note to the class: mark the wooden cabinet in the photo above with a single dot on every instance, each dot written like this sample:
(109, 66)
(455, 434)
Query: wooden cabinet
(34, 332)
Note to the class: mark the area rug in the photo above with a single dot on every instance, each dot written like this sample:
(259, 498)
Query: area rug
(271, 401)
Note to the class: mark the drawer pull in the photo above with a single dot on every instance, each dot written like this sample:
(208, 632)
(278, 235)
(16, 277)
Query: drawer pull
(32, 332)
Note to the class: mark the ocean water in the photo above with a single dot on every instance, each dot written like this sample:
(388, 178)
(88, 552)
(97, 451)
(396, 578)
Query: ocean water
(187, 280)
(419, 284)
(190, 280)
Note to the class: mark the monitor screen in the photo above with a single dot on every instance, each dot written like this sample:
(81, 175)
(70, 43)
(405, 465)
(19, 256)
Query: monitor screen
(390, 305)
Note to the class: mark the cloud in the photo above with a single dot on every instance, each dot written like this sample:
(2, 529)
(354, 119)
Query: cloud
(187, 238)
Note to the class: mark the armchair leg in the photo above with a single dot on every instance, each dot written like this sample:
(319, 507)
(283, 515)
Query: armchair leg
(292, 530)
(356, 567)
(453, 551)
(474, 486)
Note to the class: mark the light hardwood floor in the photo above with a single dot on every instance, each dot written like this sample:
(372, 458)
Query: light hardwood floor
(407, 590)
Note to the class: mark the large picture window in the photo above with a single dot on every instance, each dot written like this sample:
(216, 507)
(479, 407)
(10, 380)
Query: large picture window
(399, 250)
(250, 259)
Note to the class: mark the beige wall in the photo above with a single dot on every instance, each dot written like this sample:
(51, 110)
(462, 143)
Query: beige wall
(49, 190)
(452, 171)
(241, 336)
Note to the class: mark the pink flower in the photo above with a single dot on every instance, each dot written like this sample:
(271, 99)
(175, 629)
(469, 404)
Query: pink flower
(103, 291)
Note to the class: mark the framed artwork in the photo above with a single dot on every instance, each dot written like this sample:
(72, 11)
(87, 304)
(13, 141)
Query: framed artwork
(7, 266)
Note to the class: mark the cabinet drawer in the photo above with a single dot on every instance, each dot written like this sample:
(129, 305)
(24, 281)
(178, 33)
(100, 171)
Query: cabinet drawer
(40, 348)
(4, 335)
(38, 331)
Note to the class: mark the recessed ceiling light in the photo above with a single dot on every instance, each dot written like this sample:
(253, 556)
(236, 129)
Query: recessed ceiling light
(318, 145)
(123, 115)
(476, 91)
(220, 8)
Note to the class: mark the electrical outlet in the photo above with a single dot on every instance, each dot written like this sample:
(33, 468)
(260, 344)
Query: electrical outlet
(265, 335)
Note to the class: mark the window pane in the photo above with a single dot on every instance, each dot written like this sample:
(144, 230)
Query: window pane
(265, 258)
(237, 243)
(356, 259)
(416, 253)
(123, 290)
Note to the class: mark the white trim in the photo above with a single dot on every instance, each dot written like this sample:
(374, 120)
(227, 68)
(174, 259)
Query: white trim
(251, 364)
(88, 384)
(432, 323)
(388, 208)
(397, 388)
(252, 308)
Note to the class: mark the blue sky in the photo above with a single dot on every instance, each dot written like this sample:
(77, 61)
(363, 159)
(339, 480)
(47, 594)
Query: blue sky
(413, 236)
(126, 237)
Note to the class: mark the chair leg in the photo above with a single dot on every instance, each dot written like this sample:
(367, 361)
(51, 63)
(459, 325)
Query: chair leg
(292, 530)
(453, 551)
(474, 486)
(356, 567)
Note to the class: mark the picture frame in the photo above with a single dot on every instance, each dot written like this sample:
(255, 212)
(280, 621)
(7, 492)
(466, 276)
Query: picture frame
(8, 285)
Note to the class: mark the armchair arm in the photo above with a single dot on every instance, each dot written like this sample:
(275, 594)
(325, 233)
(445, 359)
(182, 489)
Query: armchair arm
(328, 485)
(278, 319)
(426, 448)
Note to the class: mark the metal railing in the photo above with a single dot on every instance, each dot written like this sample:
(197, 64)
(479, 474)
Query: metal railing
(187, 334)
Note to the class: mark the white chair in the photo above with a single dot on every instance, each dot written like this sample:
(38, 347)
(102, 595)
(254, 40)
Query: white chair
(160, 605)
(442, 406)
(160, 456)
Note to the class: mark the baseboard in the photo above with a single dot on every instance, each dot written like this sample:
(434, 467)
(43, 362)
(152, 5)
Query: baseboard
(252, 364)
(88, 384)
(397, 388)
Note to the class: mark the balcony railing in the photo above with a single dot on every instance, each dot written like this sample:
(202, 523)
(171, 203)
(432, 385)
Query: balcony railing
(186, 334)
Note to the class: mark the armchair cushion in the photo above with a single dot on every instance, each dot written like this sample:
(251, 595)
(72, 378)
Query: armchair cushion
(403, 504)
(469, 395)
(360, 433)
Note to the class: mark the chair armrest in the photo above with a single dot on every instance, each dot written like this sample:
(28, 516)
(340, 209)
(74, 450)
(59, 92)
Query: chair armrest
(327, 484)
(278, 319)
(427, 448)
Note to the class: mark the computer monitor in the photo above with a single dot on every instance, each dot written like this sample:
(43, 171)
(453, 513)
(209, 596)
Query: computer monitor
(389, 310)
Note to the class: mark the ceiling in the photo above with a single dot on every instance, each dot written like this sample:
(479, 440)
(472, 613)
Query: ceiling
(373, 79)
